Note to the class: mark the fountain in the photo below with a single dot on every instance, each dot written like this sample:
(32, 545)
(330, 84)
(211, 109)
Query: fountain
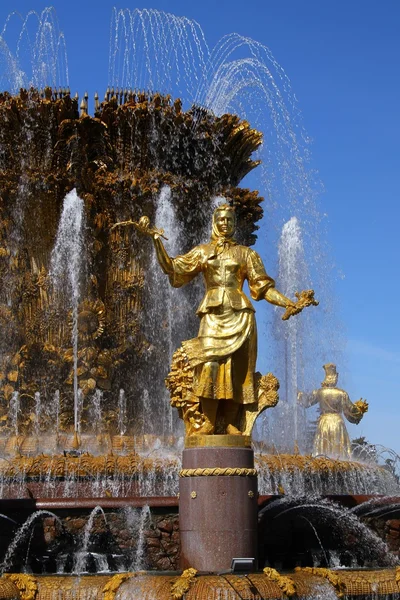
(89, 446)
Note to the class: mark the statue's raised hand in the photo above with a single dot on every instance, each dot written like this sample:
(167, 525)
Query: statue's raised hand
(143, 225)
(362, 405)
(304, 299)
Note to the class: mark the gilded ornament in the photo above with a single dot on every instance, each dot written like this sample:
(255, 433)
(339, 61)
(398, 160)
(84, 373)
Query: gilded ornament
(183, 584)
(397, 577)
(193, 495)
(304, 299)
(204, 369)
(332, 576)
(26, 584)
(331, 438)
(362, 405)
(285, 582)
(91, 319)
(111, 588)
(267, 387)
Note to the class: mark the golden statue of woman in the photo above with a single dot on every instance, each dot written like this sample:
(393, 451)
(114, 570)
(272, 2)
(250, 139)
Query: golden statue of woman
(331, 438)
(213, 374)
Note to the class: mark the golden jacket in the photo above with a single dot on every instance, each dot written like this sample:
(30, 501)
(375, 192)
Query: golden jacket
(224, 353)
(224, 275)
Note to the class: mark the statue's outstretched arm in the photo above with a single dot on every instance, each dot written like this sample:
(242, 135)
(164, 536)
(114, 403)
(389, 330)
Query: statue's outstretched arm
(143, 225)
(307, 399)
(162, 256)
(275, 297)
(181, 269)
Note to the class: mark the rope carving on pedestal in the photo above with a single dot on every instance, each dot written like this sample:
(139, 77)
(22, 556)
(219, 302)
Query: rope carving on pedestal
(218, 472)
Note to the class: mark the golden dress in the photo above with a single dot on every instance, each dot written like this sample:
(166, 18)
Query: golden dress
(331, 438)
(223, 355)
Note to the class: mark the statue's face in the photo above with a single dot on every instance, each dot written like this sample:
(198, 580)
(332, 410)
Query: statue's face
(225, 223)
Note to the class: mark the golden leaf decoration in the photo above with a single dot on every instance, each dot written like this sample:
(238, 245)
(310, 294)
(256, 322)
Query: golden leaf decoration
(183, 584)
(26, 584)
(112, 586)
(286, 583)
(331, 576)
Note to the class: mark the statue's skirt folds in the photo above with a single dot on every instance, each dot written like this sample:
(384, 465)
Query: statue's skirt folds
(224, 355)
(332, 438)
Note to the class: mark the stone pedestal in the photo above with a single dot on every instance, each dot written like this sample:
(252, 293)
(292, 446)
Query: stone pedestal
(217, 502)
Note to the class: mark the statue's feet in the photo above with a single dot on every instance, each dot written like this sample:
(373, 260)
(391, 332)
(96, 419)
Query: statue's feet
(232, 430)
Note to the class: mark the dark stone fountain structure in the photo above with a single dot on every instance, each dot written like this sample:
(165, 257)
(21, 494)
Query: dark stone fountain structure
(118, 161)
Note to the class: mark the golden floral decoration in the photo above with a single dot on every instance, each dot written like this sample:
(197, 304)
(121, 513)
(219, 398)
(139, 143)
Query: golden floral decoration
(285, 583)
(112, 586)
(362, 405)
(91, 319)
(183, 584)
(331, 576)
(26, 584)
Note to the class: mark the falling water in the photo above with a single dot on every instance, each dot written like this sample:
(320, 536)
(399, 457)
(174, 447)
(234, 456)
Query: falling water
(22, 535)
(122, 412)
(97, 399)
(38, 411)
(139, 560)
(153, 50)
(240, 76)
(291, 277)
(287, 425)
(167, 310)
(57, 409)
(32, 52)
(174, 301)
(145, 410)
(166, 219)
(81, 555)
(14, 411)
(350, 532)
(66, 267)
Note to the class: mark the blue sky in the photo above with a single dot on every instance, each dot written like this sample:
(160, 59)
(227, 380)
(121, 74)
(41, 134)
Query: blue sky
(342, 59)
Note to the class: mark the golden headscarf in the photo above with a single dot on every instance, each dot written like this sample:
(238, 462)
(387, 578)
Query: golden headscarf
(219, 240)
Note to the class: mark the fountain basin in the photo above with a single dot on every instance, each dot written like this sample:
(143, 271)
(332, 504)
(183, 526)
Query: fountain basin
(148, 472)
(325, 583)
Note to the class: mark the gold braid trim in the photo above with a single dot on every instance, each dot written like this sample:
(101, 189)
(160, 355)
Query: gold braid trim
(397, 576)
(26, 584)
(218, 471)
(183, 584)
(112, 586)
(331, 576)
(286, 583)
